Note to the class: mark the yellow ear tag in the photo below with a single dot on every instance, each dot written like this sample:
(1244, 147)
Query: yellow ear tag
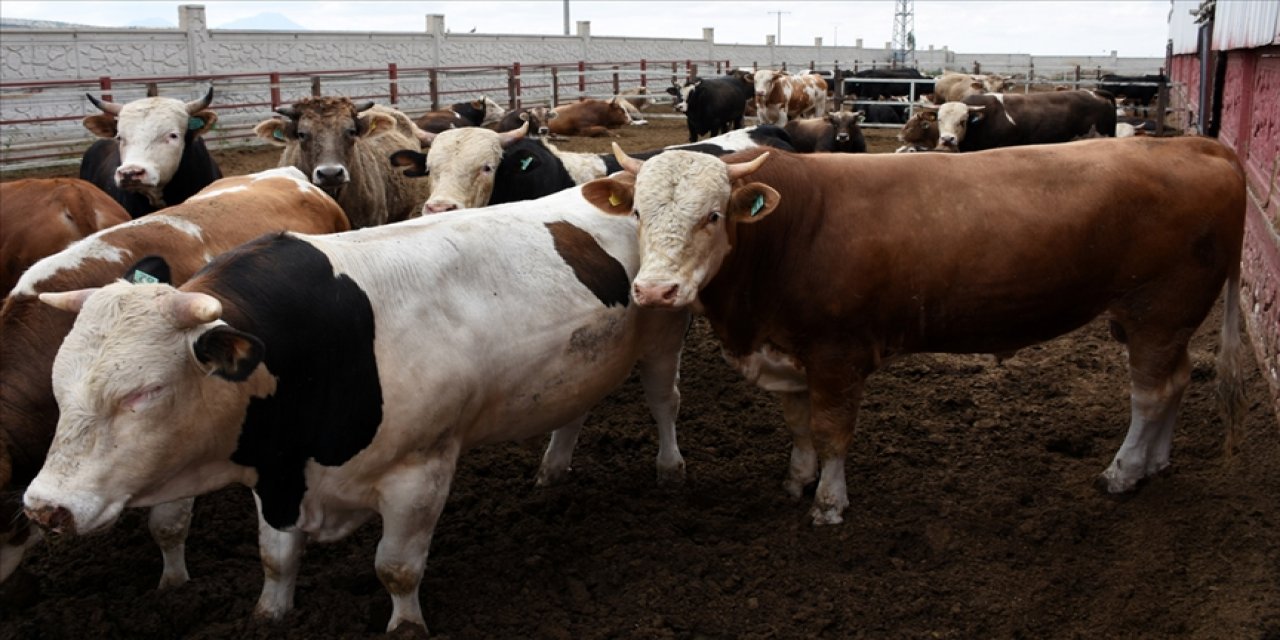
(372, 126)
(613, 200)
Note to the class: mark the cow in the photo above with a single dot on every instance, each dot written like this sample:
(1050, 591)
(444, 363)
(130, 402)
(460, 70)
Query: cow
(954, 87)
(895, 112)
(1002, 120)
(481, 112)
(40, 217)
(341, 377)
(858, 87)
(813, 270)
(472, 168)
(185, 236)
(152, 155)
(343, 147)
(1140, 91)
(781, 96)
(589, 118)
(837, 132)
(537, 117)
(714, 106)
(920, 133)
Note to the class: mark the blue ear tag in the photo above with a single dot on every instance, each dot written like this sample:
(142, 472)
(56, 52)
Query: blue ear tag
(142, 277)
(757, 205)
(277, 134)
(194, 123)
(524, 164)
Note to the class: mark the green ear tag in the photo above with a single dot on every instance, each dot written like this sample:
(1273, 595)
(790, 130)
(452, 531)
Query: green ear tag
(757, 205)
(141, 277)
(277, 134)
(524, 164)
(194, 123)
(613, 200)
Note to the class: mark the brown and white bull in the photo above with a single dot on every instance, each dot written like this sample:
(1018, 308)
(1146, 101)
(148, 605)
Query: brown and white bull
(40, 217)
(342, 376)
(343, 147)
(814, 270)
(589, 117)
(780, 96)
(225, 214)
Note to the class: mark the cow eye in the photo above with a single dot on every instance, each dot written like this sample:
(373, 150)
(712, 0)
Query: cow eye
(173, 136)
(488, 168)
(713, 217)
(302, 135)
(352, 132)
(635, 213)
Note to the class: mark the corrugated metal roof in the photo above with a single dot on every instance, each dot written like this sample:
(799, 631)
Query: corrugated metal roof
(1244, 24)
(1182, 26)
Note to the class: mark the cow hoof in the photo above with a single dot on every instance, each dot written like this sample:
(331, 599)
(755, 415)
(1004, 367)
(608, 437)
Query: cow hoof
(671, 476)
(168, 581)
(825, 516)
(552, 477)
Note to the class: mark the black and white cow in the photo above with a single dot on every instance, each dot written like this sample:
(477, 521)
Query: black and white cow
(152, 155)
(714, 106)
(472, 168)
(342, 376)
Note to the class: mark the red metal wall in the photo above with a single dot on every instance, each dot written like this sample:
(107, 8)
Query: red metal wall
(1251, 126)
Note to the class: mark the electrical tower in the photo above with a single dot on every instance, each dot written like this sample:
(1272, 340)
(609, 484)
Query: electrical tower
(904, 31)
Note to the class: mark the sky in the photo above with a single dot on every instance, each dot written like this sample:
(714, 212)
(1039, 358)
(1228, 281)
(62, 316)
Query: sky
(1133, 28)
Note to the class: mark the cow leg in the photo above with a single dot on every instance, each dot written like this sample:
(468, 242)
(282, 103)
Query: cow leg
(660, 377)
(1159, 369)
(804, 460)
(281, 553)
(835, 390)
(169, 523)
(595, 132)
(559, 453)
(411, 501)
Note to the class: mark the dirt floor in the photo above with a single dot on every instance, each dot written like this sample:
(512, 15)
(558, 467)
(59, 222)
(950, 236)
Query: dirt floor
(973, 515)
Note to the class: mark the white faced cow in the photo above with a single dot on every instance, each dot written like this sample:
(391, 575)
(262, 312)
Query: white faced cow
(342, 376)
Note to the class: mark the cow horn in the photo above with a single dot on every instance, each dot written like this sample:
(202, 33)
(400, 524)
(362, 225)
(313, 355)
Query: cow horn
(629, 164)
(107, 107)
(288, 112)
(203, 103)
(71, 301)
(744, 169)
(194, 309)
(364, 106)
(507, 138)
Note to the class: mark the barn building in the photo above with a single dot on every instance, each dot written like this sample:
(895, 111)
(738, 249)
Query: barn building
(1227, 56)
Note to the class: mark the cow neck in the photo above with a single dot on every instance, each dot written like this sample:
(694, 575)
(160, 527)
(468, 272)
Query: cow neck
(196, 170)
(750, 292)
(28, 412)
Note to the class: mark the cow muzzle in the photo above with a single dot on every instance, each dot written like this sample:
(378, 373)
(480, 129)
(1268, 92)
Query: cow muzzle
(330, 176)
(842, 137)
(439, 207)
(132, 177)
(948, 143)
(655, 294)
(53, 519)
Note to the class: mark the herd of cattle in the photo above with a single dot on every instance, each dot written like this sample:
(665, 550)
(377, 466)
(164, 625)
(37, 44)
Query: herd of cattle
(334, 333)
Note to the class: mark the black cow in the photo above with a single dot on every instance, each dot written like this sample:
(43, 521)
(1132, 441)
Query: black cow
(714, 106)
(895, 113)
(139, 163)
(988, 121)
(872, 90)
(1138, 90)
(837, 132)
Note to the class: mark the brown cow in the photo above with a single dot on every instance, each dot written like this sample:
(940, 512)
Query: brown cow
(780, 96)
(343, 148)
(813, 270)
(589, 118)
(40, 217)
(920, 133)
(221, 216)
(838, 132)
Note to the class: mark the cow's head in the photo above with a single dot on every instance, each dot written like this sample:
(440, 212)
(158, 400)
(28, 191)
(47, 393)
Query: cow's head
(680, 96)
(846, 123)
(763, 80)
(152, 390)
(322, 133)
(493, 112)
(953, 120)
(921, 130)
(462, 165)
(615, 113)
(151, 133)
(685, 203)
(996, 83)
(538, 117)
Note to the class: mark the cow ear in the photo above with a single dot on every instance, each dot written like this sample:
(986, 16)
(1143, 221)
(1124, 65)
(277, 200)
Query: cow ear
(752, 202)
(552, 115)
(416, 162)
(232, 355)
(272, 131)
(374, 124)
(201, 122)
(610, 195)
(149, 270)
(524, 116)
(102, 125)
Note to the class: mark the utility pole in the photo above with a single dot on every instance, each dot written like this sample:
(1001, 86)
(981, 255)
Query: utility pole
(835, 37)
(566, 17)
(777, 35)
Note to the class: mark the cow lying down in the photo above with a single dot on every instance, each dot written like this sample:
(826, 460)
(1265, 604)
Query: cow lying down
(813, 270)
(340, 377)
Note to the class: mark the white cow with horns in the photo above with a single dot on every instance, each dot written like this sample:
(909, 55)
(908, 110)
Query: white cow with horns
(342, 376)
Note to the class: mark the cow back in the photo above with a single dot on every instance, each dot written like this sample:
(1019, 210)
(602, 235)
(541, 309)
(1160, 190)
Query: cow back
(1039, 118)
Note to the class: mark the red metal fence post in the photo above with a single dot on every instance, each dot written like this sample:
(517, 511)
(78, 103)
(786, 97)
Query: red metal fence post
(674, 77)
(688, 70)
(615, 80)
(519, 89)
(582, 78)
(555, 86)
(104, 83)
(433, 88)
(644, 77)
(273, 79)
(393, 77)
(315, 86)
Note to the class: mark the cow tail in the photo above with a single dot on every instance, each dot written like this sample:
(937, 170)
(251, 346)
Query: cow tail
(1230, 390)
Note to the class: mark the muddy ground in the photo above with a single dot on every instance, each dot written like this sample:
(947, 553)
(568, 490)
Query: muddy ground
(973, 515)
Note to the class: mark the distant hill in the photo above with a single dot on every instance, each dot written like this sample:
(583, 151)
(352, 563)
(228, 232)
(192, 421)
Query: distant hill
(153, 23)
(19, 23)
(264, 21)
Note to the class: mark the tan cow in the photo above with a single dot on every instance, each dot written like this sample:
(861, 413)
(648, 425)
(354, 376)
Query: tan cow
(343, 148)
(589, 117)
(40, 217)
(954, 87)
(814, 270)
(221, 216)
